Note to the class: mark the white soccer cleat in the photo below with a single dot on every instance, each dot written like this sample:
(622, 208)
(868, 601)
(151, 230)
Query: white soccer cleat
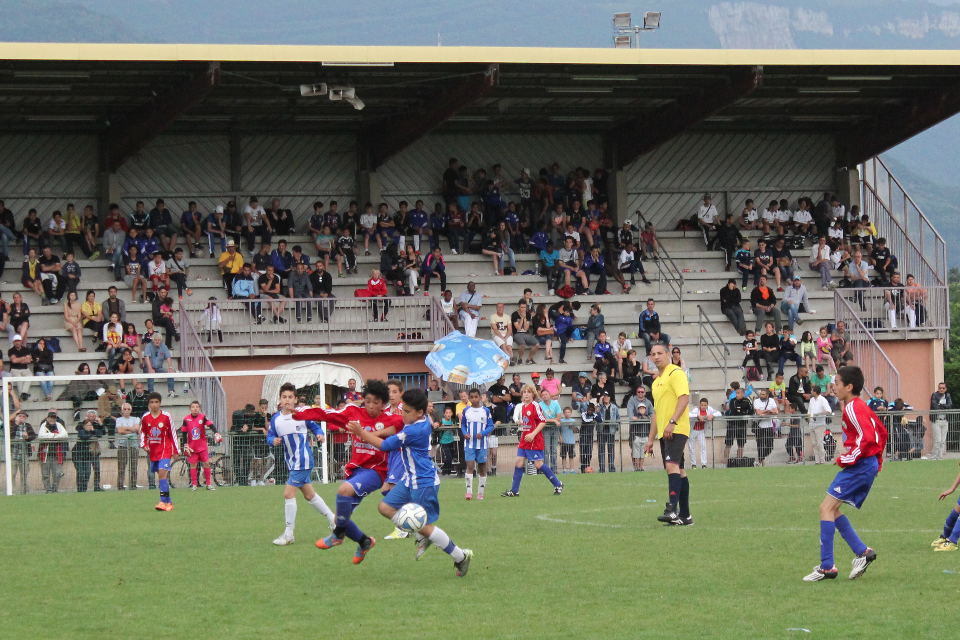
(423, 543)
(284, 540)
(210, 487)
(397, 534)
(821, 574)
(861, 562)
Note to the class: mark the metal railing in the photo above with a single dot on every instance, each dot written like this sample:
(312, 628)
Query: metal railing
(193, 358)
(898, 313)
(877, 368)
(910, 235)
(710, 337)
(672, 276)
(317, 322)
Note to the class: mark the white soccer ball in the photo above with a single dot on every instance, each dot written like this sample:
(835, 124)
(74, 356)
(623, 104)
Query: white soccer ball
(411, 517)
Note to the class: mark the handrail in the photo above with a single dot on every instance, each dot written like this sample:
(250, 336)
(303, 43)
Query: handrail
(193, 357)
(878, 370)
(675, 283)
(714, 343)
(440, 324)
(937, 270)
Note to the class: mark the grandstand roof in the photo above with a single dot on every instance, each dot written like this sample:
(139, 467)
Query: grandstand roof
(871, 100)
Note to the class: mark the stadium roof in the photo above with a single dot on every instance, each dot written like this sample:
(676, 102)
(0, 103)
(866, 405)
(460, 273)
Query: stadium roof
(637, 98)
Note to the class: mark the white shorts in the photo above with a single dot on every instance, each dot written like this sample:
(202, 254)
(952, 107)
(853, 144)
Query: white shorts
(492, 442)
(497, 340)
(637, 446)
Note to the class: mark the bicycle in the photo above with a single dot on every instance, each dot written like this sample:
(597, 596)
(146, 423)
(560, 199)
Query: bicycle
(221, 469)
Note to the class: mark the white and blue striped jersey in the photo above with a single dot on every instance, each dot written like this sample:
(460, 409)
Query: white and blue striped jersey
(413, 443)
(476, 422)
(296, 439)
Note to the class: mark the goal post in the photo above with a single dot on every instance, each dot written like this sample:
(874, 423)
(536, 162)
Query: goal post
(72, 457)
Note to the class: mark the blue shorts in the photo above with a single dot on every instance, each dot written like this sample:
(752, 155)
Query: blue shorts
(156, 465)
(853, 483)
(395, 468)
(425, 497)
(364, 482)
(530, 454)
(475, 455)
(299, 478)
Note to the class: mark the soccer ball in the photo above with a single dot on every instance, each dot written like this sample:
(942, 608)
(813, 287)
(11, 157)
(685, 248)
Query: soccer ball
(411, 517)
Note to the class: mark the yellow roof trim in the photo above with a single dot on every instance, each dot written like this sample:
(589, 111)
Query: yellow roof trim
(505, 55)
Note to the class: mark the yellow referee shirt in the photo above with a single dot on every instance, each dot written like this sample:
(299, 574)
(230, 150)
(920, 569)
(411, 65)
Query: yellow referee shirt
(667, 389)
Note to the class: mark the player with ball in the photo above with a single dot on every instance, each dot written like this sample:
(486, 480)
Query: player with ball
(413, 504)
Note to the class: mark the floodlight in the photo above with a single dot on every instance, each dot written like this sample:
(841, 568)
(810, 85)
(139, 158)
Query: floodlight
(621, 21)
(313, 89)
(356, 102)
(621, 42)
(651, 20)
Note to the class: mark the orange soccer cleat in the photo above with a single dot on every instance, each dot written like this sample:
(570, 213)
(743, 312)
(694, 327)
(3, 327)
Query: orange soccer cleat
(362, 550)
(160, 507)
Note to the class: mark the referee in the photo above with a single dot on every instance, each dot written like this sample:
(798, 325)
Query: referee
(671, 396)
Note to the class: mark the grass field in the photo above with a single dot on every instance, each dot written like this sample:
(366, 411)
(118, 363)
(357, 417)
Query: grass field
(592, 563)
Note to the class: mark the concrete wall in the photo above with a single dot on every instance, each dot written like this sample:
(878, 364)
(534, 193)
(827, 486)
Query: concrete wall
(920, 363)
(248, 389)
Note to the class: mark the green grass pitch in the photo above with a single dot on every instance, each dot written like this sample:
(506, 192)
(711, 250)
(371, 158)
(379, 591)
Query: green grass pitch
(592, 563)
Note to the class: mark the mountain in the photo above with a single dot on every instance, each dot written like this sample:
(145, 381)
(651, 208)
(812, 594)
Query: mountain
(50, 21)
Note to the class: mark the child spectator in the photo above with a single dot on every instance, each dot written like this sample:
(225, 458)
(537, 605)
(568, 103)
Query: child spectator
(589, 420)
(569, 427)
(345, 253)
(808, 349)
(369, 223)
(70, 274)
(744, 260)
(447, 440)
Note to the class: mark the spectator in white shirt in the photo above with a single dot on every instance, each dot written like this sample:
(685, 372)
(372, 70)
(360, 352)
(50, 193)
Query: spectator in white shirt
(764, 407)
(701, 417)
(837, 210)
(794, 298)
(469, 305)
(785, 216)
(818, 409)
(256, 223)
(749, 216)
(802, 218)
(707, 218)
(769, 221)
(820, 261)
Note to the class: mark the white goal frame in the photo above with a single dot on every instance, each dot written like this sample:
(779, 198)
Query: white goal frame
(183, 376)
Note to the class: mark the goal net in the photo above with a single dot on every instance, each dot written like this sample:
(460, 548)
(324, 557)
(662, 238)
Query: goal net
(70, 433)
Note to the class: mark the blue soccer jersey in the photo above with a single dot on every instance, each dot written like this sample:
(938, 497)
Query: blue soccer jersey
(476, 422)
(413, 443)
(296, 442)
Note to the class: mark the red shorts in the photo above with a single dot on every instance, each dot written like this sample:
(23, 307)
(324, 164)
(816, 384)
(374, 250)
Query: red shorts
(203, 455)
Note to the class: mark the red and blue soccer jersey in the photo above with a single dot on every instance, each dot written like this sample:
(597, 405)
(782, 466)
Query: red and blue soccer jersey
(864, 436)
(195, 426)
(156, 434)
(531, 416)
(363, 455)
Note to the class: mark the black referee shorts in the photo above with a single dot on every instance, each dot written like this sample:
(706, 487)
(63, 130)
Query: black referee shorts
(673, 449)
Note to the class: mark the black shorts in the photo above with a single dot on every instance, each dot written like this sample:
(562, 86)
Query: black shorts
(673, 449)
(566, 450)
(736, 431)
(260, 450)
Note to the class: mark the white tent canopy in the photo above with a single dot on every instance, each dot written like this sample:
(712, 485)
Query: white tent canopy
(303, 374)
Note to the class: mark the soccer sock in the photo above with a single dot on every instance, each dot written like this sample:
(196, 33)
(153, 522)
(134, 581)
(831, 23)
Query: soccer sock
(551, 476)
(439, 537)
(164, 490)
(850, 536)
(673, 484)
(290, 514)
(317, 503)
(482, 485)
(684, 497)
(827, 530)
(517, 477)
(353, 532)
(955, 533)
(193, 477)
(416, 242)
(469, 483)
(344, 511)
(951, 521)
(206, 476)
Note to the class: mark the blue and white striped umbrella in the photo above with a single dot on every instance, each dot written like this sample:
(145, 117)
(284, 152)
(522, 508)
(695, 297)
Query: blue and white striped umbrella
(462, 360)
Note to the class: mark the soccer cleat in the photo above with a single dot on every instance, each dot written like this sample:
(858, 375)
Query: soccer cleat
(210, 487)
(168, 506)
(469, 496)
(329, 542)
(480, 496)
(670, 516)
(588, 470)
(193, 487)
(558, 490)
(464, 564)
(361, 551)
(946, 546)
(398, 534)
(939, 541)
(510, 493)
(160, 507)
(861, 562)
(423, 543)
(819, 573)
(683, 521)
(283, 540)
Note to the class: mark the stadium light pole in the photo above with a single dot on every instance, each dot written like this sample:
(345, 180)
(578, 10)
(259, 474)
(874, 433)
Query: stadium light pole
(623, 26)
